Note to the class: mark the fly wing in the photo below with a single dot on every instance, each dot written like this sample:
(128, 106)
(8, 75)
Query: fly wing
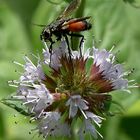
(75, 20)
(74, 4)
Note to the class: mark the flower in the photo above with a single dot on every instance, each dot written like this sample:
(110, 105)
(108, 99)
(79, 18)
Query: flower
(36, 99)
(32, 73)
(51, 125)
(68, 91)
(76, 102)
(110, 76)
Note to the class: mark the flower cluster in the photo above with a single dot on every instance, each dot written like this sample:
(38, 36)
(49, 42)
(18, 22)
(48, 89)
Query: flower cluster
(65, 87)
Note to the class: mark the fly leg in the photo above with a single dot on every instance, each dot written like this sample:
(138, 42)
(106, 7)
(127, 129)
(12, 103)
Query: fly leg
(70, 54)
(50, 49)
(67, 41)
(81, 41)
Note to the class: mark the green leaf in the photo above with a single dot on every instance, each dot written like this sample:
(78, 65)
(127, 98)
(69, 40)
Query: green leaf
(114, 22)
(130, 1)
(17, 106)
(2, 126)
(14, 44)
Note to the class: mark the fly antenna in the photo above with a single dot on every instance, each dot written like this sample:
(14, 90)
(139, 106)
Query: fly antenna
(39, 25)
(52, 2)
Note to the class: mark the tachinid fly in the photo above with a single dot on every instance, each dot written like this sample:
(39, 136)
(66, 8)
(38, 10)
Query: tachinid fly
(65, 25)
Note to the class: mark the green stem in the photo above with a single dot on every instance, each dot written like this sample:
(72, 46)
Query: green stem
(79, 13)
(81, 9)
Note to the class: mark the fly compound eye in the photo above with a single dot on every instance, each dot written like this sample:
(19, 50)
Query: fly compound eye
(46, 35)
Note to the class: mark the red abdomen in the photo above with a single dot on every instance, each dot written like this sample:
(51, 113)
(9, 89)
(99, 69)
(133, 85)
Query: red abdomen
(77, 26)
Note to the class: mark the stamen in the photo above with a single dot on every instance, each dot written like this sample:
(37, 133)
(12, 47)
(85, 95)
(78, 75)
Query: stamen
(112, 48)
(41, 113)
(35, 100)
(99, 134)
(17, 63)
(28, 60)
(19, 97)
(83, 113)
(13, 85)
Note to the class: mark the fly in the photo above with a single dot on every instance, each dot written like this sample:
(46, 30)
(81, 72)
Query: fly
(64, 26)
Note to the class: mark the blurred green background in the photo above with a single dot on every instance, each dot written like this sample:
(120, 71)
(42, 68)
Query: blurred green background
(114, 22)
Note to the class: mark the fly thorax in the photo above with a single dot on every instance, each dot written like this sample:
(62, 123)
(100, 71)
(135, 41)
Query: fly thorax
(65, 26)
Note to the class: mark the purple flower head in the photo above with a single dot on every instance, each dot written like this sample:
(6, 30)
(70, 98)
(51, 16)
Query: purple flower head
(69, 91)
